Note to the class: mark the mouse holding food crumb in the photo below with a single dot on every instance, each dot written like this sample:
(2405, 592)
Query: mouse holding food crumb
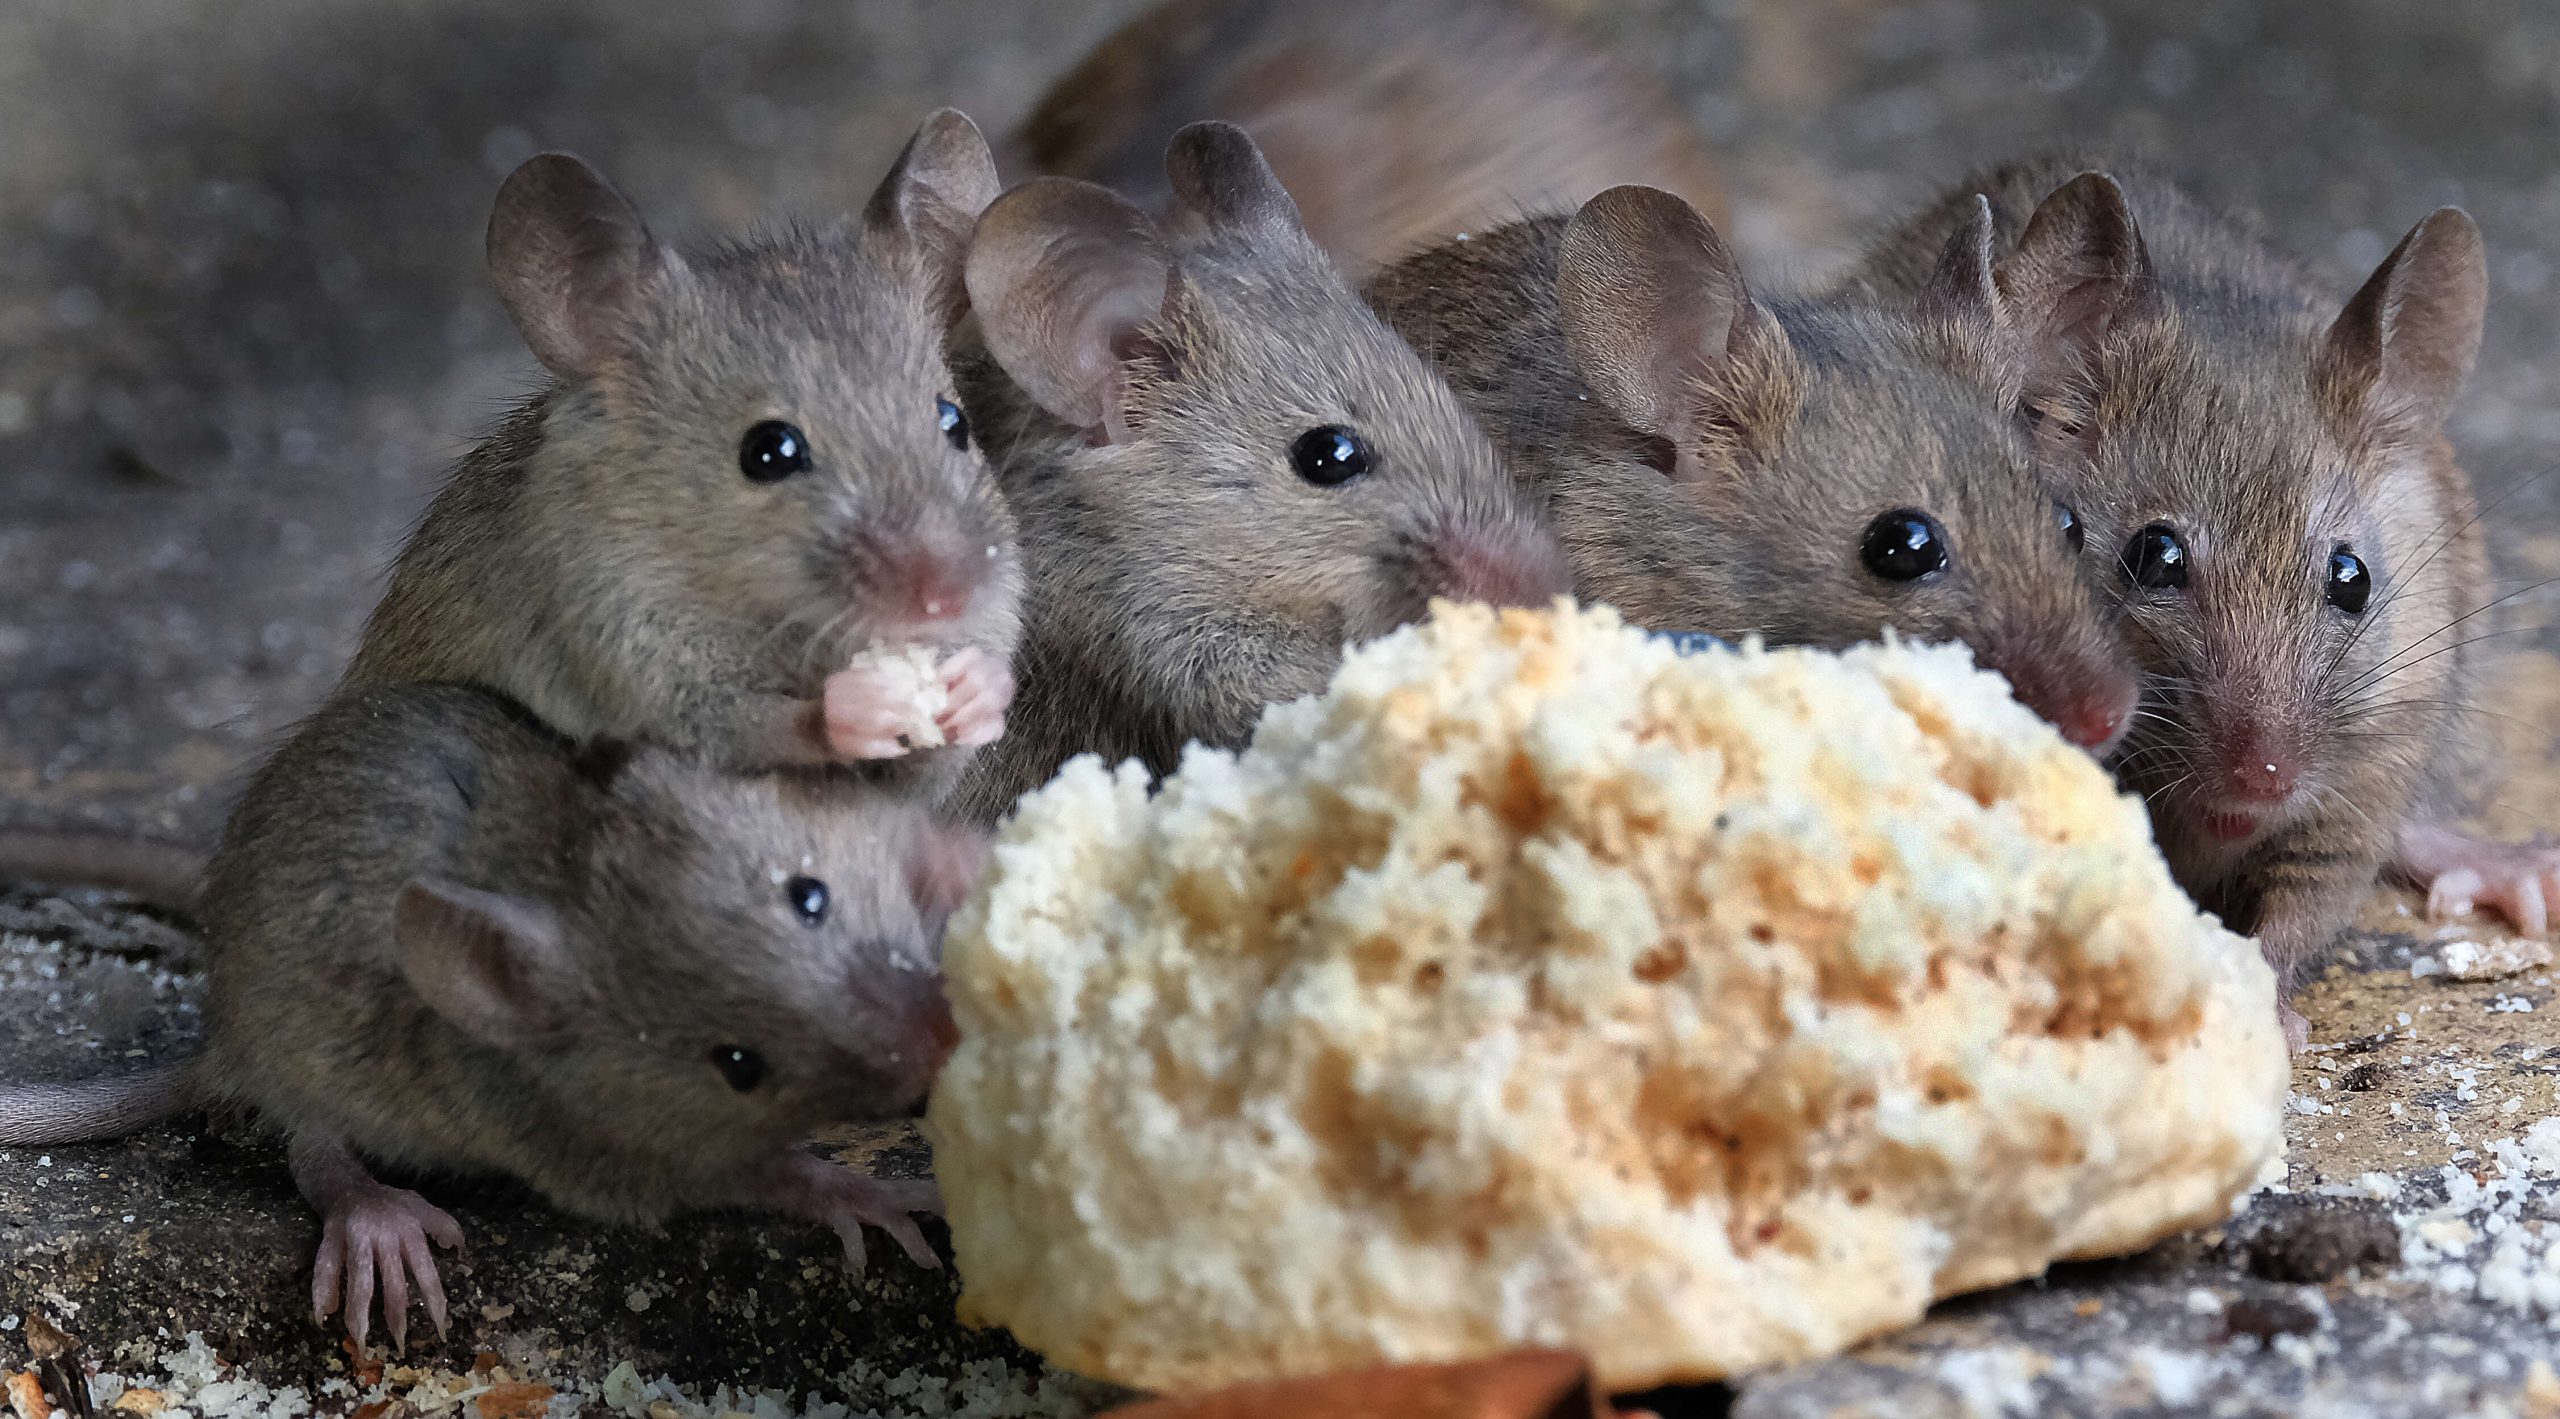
(1225, 466)
(442, 939)
(750, 466)
(1393, 126)
(1812, 470)
(2296, 550)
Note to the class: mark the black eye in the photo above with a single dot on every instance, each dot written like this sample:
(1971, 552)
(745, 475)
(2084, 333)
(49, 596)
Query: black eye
(1329, 456)
(808, 897)
(2071, 529)
(743, 1068)
(773, 451)
(955, 425)
(2156, 558)
(2350, 585)
(1904, 545)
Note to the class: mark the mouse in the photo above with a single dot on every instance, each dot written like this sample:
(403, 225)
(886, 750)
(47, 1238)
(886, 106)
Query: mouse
(440, 937)
(1393, 126)
(2295, 546)
(1812, 469)
(749, 465)
(1224, 465)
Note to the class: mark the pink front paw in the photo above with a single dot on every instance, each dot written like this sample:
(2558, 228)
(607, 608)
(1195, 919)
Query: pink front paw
(2297, 1030)
(981, 689)
(853, 1201)
(866, 713)
(2519, 881)
(380, 1234)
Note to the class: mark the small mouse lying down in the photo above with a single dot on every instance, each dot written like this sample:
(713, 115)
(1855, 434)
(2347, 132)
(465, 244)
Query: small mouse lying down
(442, 938)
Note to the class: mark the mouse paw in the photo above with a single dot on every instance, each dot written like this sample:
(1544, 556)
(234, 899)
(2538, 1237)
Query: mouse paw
(2461, 874)
(2297, 1030)
(865, 716)
(380, 1234)
(980, 688)
(820, 1191)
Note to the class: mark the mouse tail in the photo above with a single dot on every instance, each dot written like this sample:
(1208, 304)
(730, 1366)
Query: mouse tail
(91, 1109)
(160, 872)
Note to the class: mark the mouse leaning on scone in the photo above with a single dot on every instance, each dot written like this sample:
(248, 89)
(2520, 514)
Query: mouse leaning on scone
(749, 468)
(1393, 125)
(1224, 465)
(440, 937)
(1812, 470)
(2295, 549)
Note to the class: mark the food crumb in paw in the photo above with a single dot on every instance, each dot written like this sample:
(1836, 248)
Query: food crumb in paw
(913, 674)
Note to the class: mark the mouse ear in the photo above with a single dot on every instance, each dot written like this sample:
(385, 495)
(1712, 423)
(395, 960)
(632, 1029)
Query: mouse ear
(2079, 269)
(2396, 357)
(572, 261)
(1063, 275)
(943, 864)
(1961, 287)
(494, 966)
(1221, 180)
(1657, 319)
(931, 199)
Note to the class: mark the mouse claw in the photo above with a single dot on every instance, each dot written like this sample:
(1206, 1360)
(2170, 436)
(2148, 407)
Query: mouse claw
(2462, 874)
(980, 689)
(376, 1242)
(847, 1202)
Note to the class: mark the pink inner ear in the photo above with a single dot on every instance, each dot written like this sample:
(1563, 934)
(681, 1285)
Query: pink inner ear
(943, 868)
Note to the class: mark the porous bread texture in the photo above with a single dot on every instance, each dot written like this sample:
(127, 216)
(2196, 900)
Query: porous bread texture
(1539, 985)
(914, 674)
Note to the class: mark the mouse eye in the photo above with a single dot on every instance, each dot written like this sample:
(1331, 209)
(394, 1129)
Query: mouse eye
(2350, 585)
(954, 424)
(808, 898)
(1904, 545)
(2072, 532)
(773, 451)
(743, 1068)
(1329, 456)
(2156, 558)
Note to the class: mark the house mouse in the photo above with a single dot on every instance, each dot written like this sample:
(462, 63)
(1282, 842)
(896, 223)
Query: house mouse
(2296, 550)
(1225, 466)
(441, 938)
(1814, 470)
(1392, 125)
(749, 466)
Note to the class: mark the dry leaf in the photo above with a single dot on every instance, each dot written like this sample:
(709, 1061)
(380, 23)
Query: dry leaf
(516, 1401)
(144, 1402)
(26, 1397)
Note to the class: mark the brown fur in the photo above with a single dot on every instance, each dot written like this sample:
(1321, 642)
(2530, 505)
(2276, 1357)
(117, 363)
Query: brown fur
(1394, 125)
(1712, 459)
(2221, 404)
(601, 556)
(1184, 575)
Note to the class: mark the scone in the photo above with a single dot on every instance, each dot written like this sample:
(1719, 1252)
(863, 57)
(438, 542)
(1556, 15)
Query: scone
(914, 676)
(1541, 985)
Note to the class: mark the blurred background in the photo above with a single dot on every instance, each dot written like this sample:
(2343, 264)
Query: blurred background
(244, 327)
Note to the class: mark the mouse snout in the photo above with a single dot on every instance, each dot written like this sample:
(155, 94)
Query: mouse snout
(924, 579)
(2256, 765)
(1505, 563)
(2090, 705)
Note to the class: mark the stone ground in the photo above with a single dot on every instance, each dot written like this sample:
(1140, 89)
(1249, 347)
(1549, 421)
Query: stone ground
(243, 329)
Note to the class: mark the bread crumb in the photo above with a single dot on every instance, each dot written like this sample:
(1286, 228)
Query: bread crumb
(914, 675)
(1540, 985)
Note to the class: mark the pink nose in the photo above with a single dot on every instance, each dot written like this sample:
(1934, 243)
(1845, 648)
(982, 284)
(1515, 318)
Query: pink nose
(2256, 768)
(926, 584)
(2094, 723)
(1500, 564)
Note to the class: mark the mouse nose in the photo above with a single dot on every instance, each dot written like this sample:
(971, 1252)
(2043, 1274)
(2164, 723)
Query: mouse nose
(1510, 563)
(2257, 768)
(2090, 705)
(927, 580)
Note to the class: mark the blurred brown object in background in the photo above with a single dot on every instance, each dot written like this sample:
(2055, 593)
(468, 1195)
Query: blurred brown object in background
(1527, 1384)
